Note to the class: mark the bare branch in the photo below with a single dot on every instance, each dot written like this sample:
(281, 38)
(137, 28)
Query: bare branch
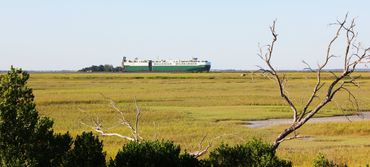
(332, 73)
(352, 98)
(294, 137)
(341, 109)
(138, 111)
(98, 129)
(308, 66)
(280, 81)
(340, 81)
(201, 151)
(122, 121)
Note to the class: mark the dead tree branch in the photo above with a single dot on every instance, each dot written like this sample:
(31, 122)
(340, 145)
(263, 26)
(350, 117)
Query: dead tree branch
(266, 57)
(97, 125)
(340, 82)
(201, 151)
(98, 129)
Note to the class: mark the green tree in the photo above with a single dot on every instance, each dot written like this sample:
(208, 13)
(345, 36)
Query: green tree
(322, 161)
(153, 153)
(26, 139)
(254, 153)
(87, 151)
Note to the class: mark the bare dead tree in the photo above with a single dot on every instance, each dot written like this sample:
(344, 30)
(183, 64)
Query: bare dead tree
(202, 150)
(354, 54)
(134, 128)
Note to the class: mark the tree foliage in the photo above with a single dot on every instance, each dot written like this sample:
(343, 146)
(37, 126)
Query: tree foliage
(322, 161)
(254, 153)
(101, 68)
(87, 151)
(26, 139)
(152, 153)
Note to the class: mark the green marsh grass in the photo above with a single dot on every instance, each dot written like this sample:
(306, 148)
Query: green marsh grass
(185, 107)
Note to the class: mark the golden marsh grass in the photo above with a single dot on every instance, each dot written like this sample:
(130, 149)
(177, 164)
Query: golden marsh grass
(185, 107)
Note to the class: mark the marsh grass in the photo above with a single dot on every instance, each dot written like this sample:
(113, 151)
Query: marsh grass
(185, 107)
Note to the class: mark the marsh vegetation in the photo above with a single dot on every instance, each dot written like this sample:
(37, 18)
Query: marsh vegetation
(186, 107)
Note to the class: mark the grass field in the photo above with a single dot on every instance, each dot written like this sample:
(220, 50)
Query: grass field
(185, 107)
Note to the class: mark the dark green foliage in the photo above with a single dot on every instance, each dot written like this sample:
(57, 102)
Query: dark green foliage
(187, 160)
(164, 153)
(322, 161)
(101, 68)
(152, 153)
(254, 153)
(87, 151)
(52, 151)
(25, 138)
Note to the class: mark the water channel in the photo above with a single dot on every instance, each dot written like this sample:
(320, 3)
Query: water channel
(361, 116)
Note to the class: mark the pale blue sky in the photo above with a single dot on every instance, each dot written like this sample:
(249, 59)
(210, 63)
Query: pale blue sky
(71, 34)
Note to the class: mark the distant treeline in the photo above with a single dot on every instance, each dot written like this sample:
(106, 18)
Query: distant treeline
(102, 68)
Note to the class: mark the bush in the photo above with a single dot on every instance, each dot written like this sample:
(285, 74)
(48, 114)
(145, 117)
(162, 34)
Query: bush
(254, 153)
(187, 160)
(26, 139)
(101, 68)
(322, 161)
(152, 153)
(87, 151)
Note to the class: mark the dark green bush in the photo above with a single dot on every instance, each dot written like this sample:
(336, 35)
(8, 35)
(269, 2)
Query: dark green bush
(26, 139)
(101, 68)
(322, 161)
(87, 151)
(187, 160)
(254, 153)
(152, 153)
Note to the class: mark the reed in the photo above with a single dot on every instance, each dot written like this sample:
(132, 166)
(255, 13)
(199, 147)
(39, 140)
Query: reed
(185, 107)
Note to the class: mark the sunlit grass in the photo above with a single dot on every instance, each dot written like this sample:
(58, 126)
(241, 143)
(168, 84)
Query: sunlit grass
(185, 107)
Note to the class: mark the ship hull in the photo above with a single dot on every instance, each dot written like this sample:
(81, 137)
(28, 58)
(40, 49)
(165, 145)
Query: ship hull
(197, 68)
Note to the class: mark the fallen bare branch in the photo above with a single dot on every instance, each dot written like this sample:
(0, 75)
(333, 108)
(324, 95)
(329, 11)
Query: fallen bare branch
(97, 127)
(101, 132)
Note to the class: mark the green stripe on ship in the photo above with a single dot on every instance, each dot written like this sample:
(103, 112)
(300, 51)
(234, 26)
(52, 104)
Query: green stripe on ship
(200, 68)
(136, 68)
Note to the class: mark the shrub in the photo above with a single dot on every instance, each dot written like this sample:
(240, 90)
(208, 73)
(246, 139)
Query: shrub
(322, 161)
(101, 68)
(254, 153)
(87, 151)
(187, 160)
(152, 153)
(26, 139)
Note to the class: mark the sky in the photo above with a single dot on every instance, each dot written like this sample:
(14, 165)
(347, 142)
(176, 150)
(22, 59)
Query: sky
(72, 34)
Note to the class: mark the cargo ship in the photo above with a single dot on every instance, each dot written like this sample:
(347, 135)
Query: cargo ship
(193, 65)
